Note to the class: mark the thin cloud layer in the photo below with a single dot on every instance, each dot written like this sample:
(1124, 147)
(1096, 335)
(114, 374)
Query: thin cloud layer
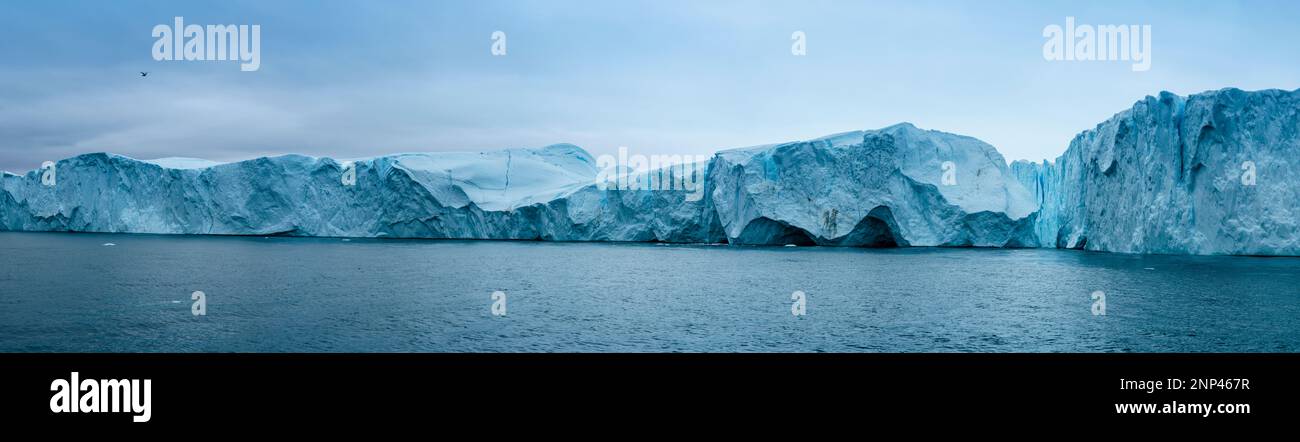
(361, 79)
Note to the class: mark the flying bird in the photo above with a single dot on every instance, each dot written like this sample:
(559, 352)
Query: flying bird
(144, 74)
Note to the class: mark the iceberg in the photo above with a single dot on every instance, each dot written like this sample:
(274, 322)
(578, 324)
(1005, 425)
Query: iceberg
(870, 189)
(1213, 173)
(1205, 174)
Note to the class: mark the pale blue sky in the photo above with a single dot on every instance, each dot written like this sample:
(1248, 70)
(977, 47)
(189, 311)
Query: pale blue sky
(360, 78)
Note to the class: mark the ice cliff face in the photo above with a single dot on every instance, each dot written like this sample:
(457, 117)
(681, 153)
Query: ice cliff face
(873, 188)
(1213, 173)
(1207, 174)
(510, 194)
(545, 194)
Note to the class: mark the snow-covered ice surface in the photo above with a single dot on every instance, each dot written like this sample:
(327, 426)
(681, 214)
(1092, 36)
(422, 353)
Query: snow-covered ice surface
(1162, 177)
(182, 163)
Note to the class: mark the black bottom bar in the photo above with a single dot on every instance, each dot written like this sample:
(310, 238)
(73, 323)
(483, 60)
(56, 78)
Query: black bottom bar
(449, 390)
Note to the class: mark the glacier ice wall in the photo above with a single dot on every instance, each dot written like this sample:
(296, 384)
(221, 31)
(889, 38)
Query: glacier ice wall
(535, 194)
(871, 188)
(1213, 173)
(1206, 174)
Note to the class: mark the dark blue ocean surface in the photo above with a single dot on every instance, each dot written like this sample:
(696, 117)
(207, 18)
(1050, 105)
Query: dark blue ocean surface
(70, 292)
